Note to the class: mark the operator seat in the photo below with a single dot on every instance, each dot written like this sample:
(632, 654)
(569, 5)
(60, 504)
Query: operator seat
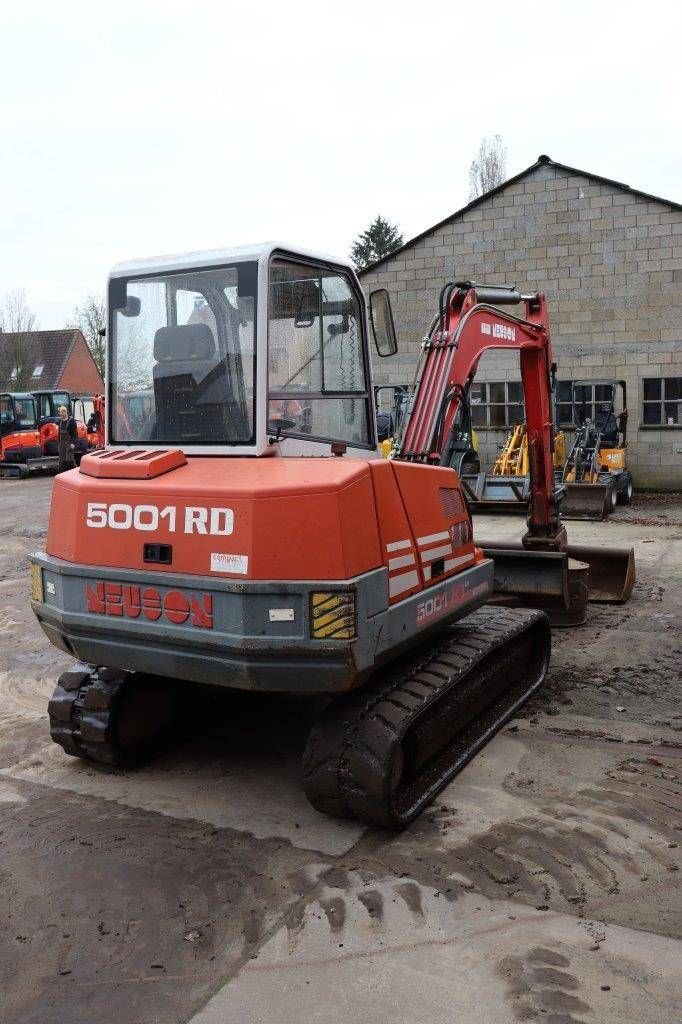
(188, 408)
(606, 423)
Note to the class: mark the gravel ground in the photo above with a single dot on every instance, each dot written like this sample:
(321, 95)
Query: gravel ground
(543, 884)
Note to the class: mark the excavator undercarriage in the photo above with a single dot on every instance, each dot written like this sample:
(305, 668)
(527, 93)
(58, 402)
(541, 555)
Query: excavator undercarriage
(379, 754)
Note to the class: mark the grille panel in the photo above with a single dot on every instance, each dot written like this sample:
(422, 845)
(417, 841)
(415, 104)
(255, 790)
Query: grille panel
(451, 502)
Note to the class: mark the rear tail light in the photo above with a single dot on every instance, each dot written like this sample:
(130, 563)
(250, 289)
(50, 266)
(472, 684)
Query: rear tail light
(461, 533)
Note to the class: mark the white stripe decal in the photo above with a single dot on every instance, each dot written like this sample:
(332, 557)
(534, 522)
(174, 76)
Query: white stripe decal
(452, 563)
(400, 562)
(399, 584)
(432, 539)
(399, 545)
(428, 556)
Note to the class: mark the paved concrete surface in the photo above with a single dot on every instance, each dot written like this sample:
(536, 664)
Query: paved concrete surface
(542, 885)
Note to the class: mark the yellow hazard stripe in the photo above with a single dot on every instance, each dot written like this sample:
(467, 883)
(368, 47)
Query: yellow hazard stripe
(332, 616)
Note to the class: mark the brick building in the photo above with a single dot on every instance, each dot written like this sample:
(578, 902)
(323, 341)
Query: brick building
(610, 260)
(48, 361)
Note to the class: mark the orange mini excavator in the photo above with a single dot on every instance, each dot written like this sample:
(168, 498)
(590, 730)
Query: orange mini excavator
(245, 532)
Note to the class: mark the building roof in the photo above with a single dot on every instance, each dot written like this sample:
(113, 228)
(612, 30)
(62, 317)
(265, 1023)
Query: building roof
(47, 352)
(542, 161)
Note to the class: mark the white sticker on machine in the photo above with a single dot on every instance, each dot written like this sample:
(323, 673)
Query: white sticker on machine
(281, 614)
(229, 563)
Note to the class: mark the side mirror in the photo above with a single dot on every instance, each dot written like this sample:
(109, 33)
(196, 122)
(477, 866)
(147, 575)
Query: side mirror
(381, 319)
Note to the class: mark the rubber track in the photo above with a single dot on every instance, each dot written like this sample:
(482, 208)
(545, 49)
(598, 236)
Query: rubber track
(83, 711)
(352, 751)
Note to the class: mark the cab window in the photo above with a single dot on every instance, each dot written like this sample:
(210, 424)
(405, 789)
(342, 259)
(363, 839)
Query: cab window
(316, 368)
(25, 412)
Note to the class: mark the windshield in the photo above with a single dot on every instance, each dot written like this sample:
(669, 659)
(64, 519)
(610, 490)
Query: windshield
(50, 401)
(183, 357)
(61, 398)
(17, 412)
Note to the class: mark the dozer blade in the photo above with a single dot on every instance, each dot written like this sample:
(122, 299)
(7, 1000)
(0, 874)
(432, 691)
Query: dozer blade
(527, 573)
(586, 501)
(382, 753)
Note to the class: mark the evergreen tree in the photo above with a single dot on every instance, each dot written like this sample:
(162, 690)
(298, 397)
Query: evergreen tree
(380, 239)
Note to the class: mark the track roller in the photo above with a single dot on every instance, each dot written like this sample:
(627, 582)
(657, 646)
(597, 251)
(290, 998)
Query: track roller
(382, 753)
(116, 718)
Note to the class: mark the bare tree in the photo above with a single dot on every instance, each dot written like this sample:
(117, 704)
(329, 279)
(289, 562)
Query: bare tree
(489, 167)
(134, 358)
(91, 318)
(16, 324)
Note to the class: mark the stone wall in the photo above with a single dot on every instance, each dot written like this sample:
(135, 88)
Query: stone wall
(610, 262)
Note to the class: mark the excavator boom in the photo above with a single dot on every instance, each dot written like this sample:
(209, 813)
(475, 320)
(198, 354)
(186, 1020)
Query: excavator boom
(469, 324)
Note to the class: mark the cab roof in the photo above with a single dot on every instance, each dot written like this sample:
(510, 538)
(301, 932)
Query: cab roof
(215, 258)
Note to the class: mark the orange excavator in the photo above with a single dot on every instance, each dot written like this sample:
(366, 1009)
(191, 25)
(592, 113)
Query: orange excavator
(90, 411)
(19, 434)
(48, 404)
(246, 533)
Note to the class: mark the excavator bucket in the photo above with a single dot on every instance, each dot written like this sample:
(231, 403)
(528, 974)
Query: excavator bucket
(612, 571)
(545, 579)
(587, 501)
(486, 493)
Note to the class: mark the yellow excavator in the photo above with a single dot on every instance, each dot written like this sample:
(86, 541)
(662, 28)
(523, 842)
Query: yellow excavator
(592, 475)
(513, 459)
(595, 474)
(507, 488)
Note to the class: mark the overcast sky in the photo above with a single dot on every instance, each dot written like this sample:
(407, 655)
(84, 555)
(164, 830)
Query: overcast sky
(132, 129)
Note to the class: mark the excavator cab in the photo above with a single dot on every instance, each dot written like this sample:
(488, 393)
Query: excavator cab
(595, 473)
(249, 353)
(19, 438)
(391, 402)
(48, 404)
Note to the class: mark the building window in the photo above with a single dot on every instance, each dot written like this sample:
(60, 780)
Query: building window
(662, 401)
(496, 404)
(38, 372)
(563, 406)
(586, 396)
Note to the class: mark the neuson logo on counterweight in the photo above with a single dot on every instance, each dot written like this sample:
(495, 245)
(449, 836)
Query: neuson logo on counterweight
(128, 601)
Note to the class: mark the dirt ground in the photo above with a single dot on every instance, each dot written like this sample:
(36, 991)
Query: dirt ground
(542, 885)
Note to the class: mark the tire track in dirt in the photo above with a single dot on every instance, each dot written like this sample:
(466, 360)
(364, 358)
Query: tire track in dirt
(100, 901)
(578, 852)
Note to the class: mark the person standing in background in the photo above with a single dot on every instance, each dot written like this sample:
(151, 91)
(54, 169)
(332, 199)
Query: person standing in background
(68, 435)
